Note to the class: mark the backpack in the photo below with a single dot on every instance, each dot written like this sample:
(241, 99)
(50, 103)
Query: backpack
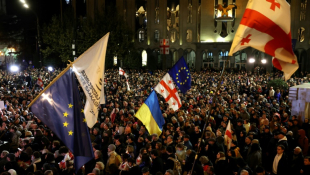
(177, 168)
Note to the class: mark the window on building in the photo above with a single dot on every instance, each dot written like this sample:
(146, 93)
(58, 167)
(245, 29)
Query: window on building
(204, 56)
(115, 61)
(244, 57)
(144, 58)
(156, 35)
(141, 35)
(189, 36)
(173, 35)
(175, 57)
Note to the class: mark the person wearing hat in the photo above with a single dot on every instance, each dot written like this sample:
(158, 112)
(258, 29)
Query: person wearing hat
(114, 160)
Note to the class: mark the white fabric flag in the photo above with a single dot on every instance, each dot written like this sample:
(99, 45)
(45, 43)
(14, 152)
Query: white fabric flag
(167, 89)
(122, 72)
(89, 69)
(266, 26)
(128, 88)
(228, 136)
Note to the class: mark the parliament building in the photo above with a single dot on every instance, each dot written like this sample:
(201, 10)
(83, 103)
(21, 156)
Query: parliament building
(202, 32)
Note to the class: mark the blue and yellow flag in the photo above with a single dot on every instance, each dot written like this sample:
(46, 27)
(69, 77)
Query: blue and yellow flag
(59, 108)
(181, 75)
(150, 115)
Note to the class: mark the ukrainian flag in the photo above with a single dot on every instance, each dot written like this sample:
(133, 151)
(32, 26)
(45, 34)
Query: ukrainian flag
(150, 115)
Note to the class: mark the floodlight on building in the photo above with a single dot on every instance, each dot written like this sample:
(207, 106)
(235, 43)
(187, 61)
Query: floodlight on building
(251, 60)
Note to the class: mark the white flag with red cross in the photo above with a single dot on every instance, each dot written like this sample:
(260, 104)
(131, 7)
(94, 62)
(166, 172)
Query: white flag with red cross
(40, 82)
(266, 26)
(228, 136)
(167, 89)
(122, 72)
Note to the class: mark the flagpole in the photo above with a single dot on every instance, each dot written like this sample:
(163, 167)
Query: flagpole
(61, 73)
(207, 120)
(51, 83)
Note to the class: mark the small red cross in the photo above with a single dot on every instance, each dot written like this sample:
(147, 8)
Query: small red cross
(173, 103)
(169, 82)
(246, 40)
(273, 4)
(162, 91)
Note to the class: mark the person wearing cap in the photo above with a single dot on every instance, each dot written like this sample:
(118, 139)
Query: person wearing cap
(114, 160)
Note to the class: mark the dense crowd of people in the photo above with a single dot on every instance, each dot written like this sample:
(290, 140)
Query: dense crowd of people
(266, 138)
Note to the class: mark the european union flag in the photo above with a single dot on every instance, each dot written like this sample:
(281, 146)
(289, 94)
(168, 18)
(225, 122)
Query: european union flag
(181, 75)
(59, 108)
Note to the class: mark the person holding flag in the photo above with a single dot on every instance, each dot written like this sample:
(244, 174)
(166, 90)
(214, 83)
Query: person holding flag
(59, 107)
(40, 82)
(122, 72)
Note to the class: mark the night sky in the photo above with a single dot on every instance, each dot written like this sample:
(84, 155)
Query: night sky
(45, 9)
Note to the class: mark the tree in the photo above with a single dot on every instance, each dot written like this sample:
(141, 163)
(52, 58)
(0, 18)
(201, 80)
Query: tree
(58, 38)
(277, 84)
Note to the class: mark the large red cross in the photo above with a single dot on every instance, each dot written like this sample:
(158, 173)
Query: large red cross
(171, 93)
(246, 40)
(281, 39)
(121, 70)
(274, 4)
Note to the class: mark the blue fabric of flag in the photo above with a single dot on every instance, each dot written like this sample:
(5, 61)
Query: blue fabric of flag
(181, 75)
(60, 108)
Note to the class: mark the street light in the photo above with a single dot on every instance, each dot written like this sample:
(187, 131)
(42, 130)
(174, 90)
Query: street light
(251, 60)
(264, 61)
(14, 68)
(50, 68)
(38, 29)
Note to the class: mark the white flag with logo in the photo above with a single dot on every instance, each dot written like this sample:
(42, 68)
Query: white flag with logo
(89, 69)
(266, 26)
(167, 89)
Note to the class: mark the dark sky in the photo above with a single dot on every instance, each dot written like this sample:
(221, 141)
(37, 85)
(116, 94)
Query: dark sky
(45, 9)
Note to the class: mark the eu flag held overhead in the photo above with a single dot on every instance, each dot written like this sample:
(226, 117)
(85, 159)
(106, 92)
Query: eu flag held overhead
(181, 75)
(59, 108)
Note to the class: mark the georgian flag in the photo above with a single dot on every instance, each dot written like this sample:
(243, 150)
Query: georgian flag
(228, 136)
(266, 26)
(167, 89)
(122, 72)
(40, 82)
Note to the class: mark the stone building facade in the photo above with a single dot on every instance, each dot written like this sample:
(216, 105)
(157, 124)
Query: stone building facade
(200, 33)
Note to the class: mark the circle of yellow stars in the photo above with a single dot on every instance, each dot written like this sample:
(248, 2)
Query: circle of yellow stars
(187, 76)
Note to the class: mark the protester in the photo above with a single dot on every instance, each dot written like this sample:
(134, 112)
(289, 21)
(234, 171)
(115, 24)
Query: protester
(266, 137)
